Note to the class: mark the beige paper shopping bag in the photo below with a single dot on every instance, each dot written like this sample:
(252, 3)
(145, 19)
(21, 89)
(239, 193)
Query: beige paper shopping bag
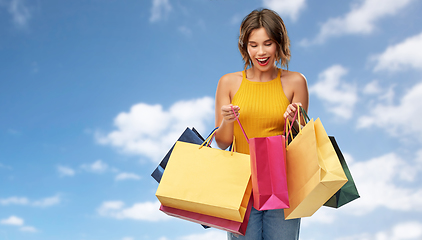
(314, 172)
(208, 181)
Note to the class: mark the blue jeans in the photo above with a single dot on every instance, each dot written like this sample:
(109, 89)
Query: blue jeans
(269, 225)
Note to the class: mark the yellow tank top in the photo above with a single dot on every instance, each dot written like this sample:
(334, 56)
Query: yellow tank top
(262, 105)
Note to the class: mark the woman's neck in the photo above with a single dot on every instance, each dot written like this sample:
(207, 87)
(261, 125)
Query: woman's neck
(256, 75)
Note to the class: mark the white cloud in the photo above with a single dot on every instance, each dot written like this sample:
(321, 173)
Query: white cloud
(324, 215)
(407, 230)
(339, 97)
(147, 211)
(236, 19)
(47, 202)
(34, 67)
(12, 220)
(419, 157)
(185, 31)
(360, 20)
(208, 235)
(160, 9)
(348, 157)
(411, 230)
(381, 182)
(372, 88)
(20, 12)
(399, 120)
(17, 221)
(14, 132)
(401, 56)
(65, 171)
(388, 95)
(14, 200)
(383, 95)
(150, 131)
(127, 176)
(287, 8)
(110, 206)
(96, 167)
(5, 166)
(28, 229)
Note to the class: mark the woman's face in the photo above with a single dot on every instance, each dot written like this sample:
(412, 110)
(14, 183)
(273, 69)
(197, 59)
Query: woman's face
(261, 49)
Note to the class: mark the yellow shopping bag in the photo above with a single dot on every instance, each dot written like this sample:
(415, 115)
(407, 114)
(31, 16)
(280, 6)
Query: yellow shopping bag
(208, 181)
(314, 172)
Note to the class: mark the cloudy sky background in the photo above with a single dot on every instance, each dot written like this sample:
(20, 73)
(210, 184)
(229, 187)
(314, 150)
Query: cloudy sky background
(94, 93)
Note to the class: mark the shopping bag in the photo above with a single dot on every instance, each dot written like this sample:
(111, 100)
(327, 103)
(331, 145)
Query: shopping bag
(348, 192)
(219, 223)
(208, 181)
(268, 171)
(314, 172)
(190, 136)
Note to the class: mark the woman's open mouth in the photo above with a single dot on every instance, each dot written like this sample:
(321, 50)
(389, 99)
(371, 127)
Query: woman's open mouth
(263, 61)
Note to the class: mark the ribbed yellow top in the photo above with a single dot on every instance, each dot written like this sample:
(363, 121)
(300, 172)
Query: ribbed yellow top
(262, 105)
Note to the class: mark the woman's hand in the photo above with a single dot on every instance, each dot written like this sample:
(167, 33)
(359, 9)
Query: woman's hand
(291, 111)
(227, 113)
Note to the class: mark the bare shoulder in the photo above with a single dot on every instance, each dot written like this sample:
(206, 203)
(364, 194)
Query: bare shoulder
(293, 77)
(295, 86)
(231, 78)
(229, 84)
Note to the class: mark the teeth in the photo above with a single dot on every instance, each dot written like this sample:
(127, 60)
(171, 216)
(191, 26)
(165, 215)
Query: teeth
(262, 59)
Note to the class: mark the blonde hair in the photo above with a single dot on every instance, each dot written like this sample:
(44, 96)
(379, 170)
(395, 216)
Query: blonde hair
(275, 29)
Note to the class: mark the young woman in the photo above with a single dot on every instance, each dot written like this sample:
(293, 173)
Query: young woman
(262, 96)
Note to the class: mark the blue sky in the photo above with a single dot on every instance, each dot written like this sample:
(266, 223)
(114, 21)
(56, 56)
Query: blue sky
(94, 93)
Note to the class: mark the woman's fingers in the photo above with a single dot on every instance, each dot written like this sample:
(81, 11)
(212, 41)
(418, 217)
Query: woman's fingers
(291, 111)
(227, 112)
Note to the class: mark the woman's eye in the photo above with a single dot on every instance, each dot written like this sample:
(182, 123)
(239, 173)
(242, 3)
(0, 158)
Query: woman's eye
(253, 45)
(268, 44)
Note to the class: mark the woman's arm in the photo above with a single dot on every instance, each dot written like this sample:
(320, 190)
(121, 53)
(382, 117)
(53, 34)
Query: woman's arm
(224, 116)
(300, 96)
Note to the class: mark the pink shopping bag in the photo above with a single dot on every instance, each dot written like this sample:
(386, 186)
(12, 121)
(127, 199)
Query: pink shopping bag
(268, 171)
(215, 222)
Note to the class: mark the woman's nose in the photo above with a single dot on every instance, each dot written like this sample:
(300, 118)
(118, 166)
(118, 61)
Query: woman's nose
(261, 50)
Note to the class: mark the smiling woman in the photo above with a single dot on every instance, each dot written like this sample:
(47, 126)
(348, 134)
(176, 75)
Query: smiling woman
(273, 27)
(266, 95)
(262, 49)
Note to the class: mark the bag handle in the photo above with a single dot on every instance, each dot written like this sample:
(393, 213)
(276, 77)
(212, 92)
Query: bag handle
(286, 120)
(290, 126)
(233, 146)
(287, 136)
(305, 115)
(247, 139)
(210, 137)
(297, 116)
(241, 127)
